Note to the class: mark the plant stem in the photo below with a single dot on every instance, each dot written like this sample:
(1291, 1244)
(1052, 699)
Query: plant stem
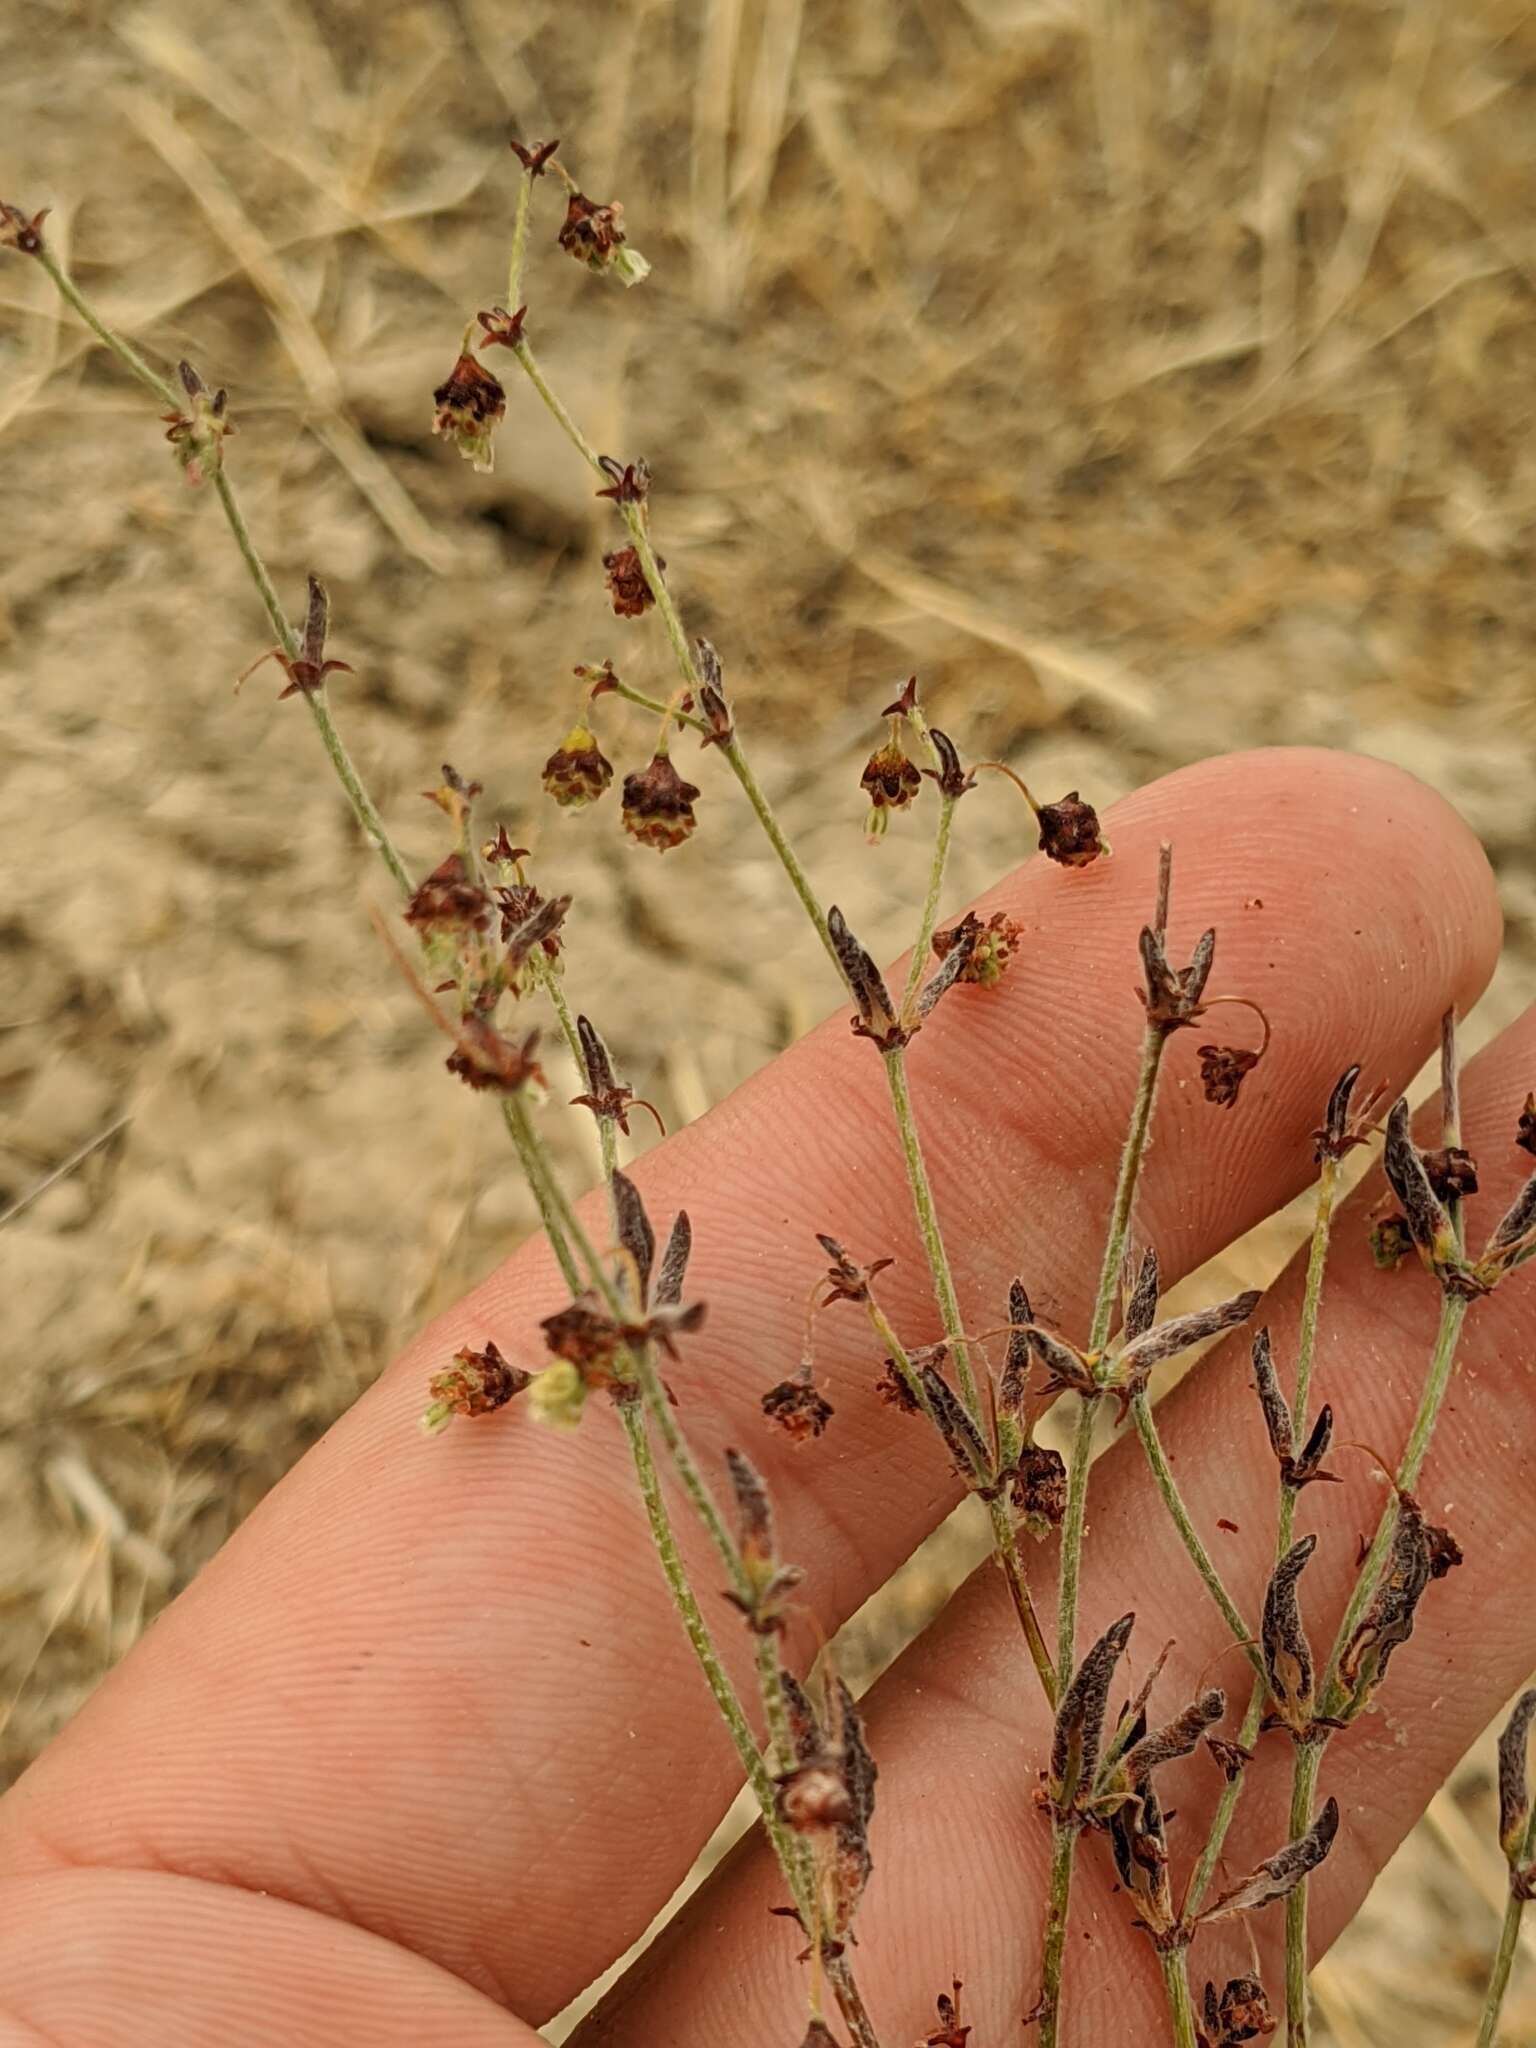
(1200, 1557)
(1503, 1963)
(1058, 1904)
(850, 2004)
(563, 420)
(1331, 1698)
(921, 1189)
(549, 1212)
(1309, 1757)
(930, 904)
(1181, 2010)
(1226, 1807)
(363, 807)
(519, 242)
(1005, 1541)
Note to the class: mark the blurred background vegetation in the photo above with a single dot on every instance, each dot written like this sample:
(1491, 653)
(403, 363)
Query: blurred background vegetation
(1153, 379)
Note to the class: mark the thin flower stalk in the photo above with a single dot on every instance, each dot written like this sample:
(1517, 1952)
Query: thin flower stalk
(1181, 2006)
(363, 806)
(1509, 1938)
(1200, 1557)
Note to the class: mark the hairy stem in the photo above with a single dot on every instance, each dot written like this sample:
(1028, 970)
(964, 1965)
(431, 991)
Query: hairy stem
(363, 807)
(1309, 1757)
(930, 903)
(1057, 1907)
(1181, 2007)
(1200, 1557)
(519, 253)
(1509, 1937)
(926, 1210)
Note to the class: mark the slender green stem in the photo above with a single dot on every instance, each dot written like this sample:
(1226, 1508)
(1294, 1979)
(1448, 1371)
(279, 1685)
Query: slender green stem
(1006, 1543)
(1226, 1807)
(548, 1207)
(1057, 1908)
(653, 704)
(1200, 1557)
(357, 796)
(1181, 2008)
(562, 418)
(686, 1602)
(519, 254)
(1453, 1313)
(1509, 1936)
(125, 352)
(1309, 1757)
(926, 1210)
(799, 880)
(1131, 1158)
(1306, 1338)
(919, 962)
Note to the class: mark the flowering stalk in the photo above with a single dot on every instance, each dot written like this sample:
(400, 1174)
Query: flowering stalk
(1509, 1936)
(1200, 1557)
(363, 807)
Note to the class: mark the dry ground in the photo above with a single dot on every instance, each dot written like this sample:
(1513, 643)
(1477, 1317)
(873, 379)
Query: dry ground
(1154, 378)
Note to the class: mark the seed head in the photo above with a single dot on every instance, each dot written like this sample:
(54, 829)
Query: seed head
(658, 805)
(1287, 1653)
(627, 588)
(1039, 1488)
(797, 1406)
(577, 772)
(594, 235)
(1069, 832)
(471, 404)
(1241, 2014)
(992, 946)
(448, 901)
(477, 1383)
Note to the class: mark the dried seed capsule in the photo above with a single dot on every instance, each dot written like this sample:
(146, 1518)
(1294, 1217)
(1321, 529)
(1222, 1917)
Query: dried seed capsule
(1242, 2013)
(577, 772)
(471, 404)
(1069, 832)
(1079, 1730)
(1452, 1172)
(1418, 1555)
(1039, 1489)
(1287, 1653)
(1428, 1224)
(875, 1015)
(658, 805)
(1175, 1739)
(1391, 1242)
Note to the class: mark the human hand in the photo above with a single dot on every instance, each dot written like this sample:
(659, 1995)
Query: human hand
(424, 1748)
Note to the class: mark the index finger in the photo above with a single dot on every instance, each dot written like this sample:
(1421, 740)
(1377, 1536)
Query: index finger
(436, 1689)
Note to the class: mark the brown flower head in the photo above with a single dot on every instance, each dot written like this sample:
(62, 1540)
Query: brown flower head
(891, 779)
(1039, 1488)
(992, 946)
(797, 1406)
(449, 901)
(1069, 832)
(471, 403)
(629, 483)
(1241, 2013)
(485, 1059)
(658, 805)
(1223, 1069)
(20, 233)
(529, 919)
(198, 435)
(577, 772)
(477, 1383)
(627, 587)
(594, 235)
(584, 1334)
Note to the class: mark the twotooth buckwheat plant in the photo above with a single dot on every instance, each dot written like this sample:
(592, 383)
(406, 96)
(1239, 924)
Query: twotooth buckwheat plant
(487, 956)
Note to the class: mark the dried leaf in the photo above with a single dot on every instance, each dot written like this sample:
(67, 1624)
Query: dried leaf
(1167, 1340)
(1066, 1367)
(1334, 1137)
(1280, 1874)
